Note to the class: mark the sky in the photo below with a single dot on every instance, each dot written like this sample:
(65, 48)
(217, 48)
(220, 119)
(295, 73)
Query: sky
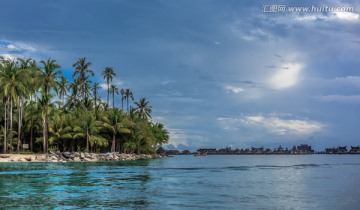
(218, 73)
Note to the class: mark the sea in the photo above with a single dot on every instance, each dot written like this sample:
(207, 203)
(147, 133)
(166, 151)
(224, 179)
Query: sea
(186, 182)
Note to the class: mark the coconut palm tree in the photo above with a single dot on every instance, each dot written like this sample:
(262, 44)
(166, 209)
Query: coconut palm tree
(128, 95)
(160, 133)
(14, 81)
(123, 97)
(32, 115)
(115, 123)
(83, 73)
(108, 74)
(63, 88)
(113, 90)
(95, 88)
(143, 109)
(26, 66)
(50, 74)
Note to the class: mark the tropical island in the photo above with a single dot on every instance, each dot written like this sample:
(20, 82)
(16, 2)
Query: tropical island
(42, 112)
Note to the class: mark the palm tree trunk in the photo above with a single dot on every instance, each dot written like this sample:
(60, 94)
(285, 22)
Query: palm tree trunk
(113, 143)
(45, 132)
(108, 92)
(122, 103)
(19, 127)
(95, 99)
(113, 99)
(31, 136)
(11, 125)
(5, 128)
(87, 131)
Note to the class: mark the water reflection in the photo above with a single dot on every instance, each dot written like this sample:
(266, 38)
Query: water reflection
(222, 182)
(80, 185)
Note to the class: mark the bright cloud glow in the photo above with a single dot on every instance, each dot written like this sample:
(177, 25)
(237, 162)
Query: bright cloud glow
(286, 77)
(281, 126)
(347, 16)
(273, 123)
(256, 119)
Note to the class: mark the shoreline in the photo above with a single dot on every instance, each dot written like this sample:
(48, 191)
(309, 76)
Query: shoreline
(74, 157)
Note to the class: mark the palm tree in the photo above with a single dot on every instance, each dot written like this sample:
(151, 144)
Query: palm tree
(25, 65)
(32, 116)
(143, 109)
(113, 90)
(95, 88)
(114, 122)
(108, 74)
(123, 97)
(14, 81)
(160, 133)
(49, 77)
(128, 94)
(83, 71)
(63, 88)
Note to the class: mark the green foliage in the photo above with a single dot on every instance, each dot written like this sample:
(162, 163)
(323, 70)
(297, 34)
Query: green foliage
(80, 121)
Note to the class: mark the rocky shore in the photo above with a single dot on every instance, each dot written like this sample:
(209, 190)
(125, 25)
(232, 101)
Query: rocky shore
(74, 157)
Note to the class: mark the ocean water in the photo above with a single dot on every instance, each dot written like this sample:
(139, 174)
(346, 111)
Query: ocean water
(186, 182)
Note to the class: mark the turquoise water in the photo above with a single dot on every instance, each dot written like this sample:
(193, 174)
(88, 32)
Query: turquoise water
(186, 182)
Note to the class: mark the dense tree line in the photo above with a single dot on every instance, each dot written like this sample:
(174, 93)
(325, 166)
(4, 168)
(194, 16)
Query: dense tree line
(42, 109)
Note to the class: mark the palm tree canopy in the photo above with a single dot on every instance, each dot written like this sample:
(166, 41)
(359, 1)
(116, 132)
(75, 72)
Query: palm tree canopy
(50, 74)
(143, 109)
(108, 74)
(82, 69)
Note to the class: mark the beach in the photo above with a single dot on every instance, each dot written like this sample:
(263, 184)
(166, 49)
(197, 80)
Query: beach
(74, 157)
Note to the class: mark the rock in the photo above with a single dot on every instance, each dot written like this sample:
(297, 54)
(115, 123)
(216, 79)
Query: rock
(77, 159)
(68, 155)
(87, 159)
(87, 155)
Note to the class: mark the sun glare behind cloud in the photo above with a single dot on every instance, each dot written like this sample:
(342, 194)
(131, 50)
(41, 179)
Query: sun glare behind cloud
(286, 77)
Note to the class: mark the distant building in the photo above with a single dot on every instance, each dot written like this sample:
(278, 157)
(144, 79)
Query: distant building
(331, 151)
(354, 150)
(207, 151)
(342, 150)
(302, 149)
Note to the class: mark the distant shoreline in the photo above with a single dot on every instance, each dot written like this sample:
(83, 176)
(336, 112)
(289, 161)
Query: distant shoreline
(74, 157)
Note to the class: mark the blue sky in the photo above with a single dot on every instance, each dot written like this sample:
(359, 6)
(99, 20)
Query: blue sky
(217, 73)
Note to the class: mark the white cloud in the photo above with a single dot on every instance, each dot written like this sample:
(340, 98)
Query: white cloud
(273, 123)
(233, 89)
(256, 118)
(166, 82)
(286, 77)
(178, 136)
(119, 84)
(8, 56)
(15, 49)
(346, 16)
